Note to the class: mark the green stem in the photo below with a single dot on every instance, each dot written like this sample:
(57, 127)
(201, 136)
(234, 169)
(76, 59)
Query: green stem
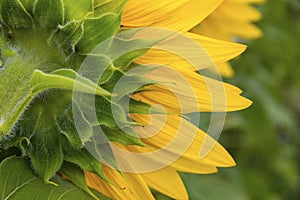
(14, 89)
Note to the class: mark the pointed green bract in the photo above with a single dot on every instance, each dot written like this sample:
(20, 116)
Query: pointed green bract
(82, 158)
(113, 6)
(76, 175)
(28, 5)
(48, 14)
(78, 10)
(14, 14)
(64, 79)
(125, 136)
(107, 23)
(45, 151)
(67, 36)
(66, 126)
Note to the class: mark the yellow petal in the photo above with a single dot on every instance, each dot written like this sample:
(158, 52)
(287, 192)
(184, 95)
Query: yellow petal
(180, 15)
(162, 130)
(172, 141)
(132, 186)
(194, 58)
(140, 187)
(185, 92)
(218, 50)
(166, 181)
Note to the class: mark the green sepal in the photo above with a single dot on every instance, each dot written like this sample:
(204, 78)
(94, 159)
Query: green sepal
(125, 136)
(66, 126)
(78, 10)
(108, 6)
(28, 5)
(66, 37)
(123, 51)
(109, 23)
(133, 84)
(109, 113)
(76, 176)
(14, 15)
(48, 14)
(82, 157)
(83, 124)
(103, 109)
(64, 79)
(139, 107)
(46, 152)
(17, 181)
(102, 151)
(116, 54)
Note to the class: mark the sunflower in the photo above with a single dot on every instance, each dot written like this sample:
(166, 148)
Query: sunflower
(232, 19)
(79, 98)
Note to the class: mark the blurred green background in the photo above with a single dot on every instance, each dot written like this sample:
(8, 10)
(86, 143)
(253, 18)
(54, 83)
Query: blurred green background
(265, 138)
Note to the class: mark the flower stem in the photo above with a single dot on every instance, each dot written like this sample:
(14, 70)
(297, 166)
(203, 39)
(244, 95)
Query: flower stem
(14, 88)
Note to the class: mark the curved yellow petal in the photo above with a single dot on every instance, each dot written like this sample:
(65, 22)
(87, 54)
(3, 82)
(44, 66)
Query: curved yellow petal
(218, 50)
(185, 92)
(180, 15)
(118, 189)
(161, 130)
(209, 50)
(166, 181)
(176, 143)
(141, 188)
(132, 186)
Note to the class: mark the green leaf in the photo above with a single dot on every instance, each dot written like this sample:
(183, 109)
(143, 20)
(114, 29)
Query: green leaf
(48, 14)
(76, 175)
(14, 14)
(17, 181)
(5, 153)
